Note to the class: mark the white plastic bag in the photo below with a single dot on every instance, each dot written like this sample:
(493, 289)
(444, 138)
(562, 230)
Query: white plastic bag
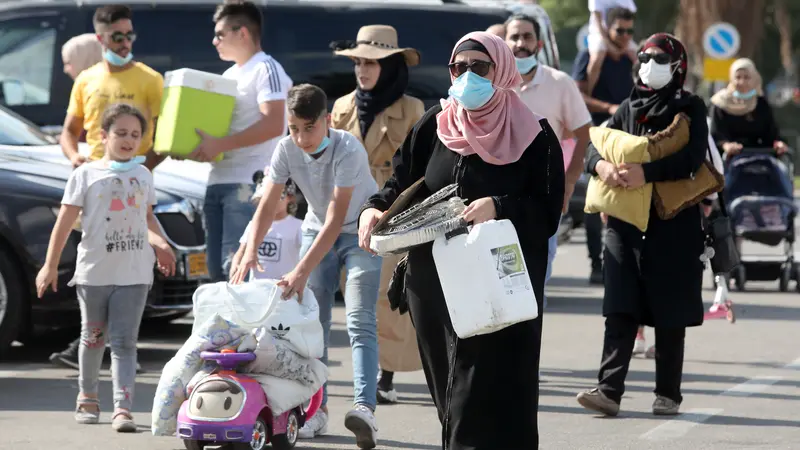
(274, 357)
(284, 395)
(212, 335)
(246, 305)
(297, 324)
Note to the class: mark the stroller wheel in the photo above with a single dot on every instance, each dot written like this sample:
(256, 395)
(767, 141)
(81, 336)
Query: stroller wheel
(797, 276)
(740, 278)
(786, 277)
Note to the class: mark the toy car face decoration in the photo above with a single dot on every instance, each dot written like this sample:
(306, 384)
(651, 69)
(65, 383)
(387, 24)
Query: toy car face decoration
(216, 399)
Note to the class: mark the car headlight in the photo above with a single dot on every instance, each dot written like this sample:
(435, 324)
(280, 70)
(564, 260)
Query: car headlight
(76, 226)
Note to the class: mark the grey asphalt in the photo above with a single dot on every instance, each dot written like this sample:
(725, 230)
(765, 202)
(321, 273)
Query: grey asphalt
(741, 383)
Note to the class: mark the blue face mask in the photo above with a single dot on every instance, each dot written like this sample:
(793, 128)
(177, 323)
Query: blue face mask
(746, 96)
(471, 90)
(525, 65)
(124, 166)
(322, 145)
(116, 60)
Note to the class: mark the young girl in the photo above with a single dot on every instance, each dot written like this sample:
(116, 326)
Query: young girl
(114, 269)
(279, 252)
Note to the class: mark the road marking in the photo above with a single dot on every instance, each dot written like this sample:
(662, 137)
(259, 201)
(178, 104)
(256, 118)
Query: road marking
(682, 424)
(752, 386)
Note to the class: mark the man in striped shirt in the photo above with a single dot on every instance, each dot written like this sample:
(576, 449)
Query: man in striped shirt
(258, 124)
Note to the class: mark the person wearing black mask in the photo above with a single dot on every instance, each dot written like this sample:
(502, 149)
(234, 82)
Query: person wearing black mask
(379, 114)
(650, 277)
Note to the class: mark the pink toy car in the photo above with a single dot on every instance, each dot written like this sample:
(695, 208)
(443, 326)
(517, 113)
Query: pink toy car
(231, 409)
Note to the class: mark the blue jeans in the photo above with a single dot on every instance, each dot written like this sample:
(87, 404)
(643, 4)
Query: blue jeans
(227, 210)
(552, 247)
(360, 297)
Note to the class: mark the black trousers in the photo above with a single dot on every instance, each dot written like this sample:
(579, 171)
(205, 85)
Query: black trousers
(618, 350)
(594, 238)
(485, 388)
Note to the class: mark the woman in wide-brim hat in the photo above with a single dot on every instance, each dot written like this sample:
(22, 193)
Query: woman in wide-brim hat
(380, 115)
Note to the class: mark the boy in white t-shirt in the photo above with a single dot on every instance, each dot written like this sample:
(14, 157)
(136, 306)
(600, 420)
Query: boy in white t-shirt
(600, 42)
(279, 252)
(257, 125)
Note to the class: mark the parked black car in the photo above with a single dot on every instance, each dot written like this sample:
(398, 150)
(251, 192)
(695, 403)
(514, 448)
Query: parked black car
(30, 197)
(175, 34)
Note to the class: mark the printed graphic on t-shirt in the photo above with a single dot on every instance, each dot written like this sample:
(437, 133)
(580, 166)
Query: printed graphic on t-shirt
(270, 249)
(123, 230)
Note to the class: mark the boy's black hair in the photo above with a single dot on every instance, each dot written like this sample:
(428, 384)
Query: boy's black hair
(114, 112)
(307, 102)
(615, 14)
(106, 15)
(241, 13)
(537, 29)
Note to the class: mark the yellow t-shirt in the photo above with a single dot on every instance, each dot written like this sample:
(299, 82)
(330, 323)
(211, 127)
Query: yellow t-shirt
(96, 88)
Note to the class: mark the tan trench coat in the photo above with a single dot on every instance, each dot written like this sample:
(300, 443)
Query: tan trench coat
(397, 340)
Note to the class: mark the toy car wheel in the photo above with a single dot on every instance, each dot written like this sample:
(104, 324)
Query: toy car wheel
(259, 441)
(195, 445)
(289, 439)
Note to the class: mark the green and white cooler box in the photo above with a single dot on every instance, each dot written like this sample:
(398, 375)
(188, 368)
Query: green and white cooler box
(193, 100)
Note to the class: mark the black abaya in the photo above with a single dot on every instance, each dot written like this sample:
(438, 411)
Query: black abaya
(486, 387)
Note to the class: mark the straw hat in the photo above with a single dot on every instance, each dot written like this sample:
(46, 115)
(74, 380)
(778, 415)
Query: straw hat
(375, 42)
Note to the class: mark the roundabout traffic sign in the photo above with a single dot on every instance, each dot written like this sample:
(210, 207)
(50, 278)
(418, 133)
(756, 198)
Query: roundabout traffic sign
(721, 41)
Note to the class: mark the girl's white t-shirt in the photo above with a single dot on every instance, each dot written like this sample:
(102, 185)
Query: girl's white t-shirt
(279, 252)
(114, 248)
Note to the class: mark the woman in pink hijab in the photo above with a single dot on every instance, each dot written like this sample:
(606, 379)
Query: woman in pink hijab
(507, 162)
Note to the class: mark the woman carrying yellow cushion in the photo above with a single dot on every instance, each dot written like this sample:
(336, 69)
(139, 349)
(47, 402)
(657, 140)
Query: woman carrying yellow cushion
(653, 277)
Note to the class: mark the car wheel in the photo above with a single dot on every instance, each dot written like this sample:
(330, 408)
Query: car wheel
(12, 301)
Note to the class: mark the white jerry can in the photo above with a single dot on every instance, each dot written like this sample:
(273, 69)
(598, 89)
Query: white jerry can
(484, 278)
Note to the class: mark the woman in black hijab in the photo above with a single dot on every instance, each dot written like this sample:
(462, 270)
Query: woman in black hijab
(651, 278)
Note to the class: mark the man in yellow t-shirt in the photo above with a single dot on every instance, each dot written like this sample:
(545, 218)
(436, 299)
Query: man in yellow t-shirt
(117, 79)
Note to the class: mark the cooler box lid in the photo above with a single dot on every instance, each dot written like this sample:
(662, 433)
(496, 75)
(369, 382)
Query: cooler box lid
(204, 81)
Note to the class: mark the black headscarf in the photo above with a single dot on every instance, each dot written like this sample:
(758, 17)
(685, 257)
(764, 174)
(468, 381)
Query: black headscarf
(390, 87)
(647, 103)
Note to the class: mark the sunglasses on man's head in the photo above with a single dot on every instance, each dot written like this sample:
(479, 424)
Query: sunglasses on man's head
(479, 68)
(659, 58)
(117, 37)
(624, 31)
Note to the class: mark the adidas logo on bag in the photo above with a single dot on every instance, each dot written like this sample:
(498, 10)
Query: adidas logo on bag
(280, 331)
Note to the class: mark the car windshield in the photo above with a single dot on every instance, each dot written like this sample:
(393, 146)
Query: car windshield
(14, 130)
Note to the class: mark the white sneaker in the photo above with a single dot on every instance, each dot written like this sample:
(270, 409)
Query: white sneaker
(317, 425)
(361, 421)
(639, 346)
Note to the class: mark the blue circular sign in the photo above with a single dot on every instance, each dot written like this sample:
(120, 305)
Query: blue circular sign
(721, 41)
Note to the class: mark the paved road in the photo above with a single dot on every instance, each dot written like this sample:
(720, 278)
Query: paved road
(741, 384)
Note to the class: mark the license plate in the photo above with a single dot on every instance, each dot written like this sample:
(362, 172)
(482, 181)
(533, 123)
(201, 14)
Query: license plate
(196, 265)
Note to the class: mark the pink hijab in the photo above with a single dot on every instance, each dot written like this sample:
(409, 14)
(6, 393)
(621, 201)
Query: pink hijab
(499, 131)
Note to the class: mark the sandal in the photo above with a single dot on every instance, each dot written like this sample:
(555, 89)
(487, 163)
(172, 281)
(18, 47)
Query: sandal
(86, 416)
(122, 422)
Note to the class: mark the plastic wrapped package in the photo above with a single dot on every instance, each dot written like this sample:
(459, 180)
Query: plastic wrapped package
(420, 223)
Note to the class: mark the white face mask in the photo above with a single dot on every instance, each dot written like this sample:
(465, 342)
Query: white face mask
(655, 75)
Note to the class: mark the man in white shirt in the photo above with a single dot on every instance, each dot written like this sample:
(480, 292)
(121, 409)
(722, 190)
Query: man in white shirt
(552, 94)
(258, 124)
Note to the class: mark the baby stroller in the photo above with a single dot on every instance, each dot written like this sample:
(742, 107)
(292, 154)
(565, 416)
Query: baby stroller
(760, 195)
